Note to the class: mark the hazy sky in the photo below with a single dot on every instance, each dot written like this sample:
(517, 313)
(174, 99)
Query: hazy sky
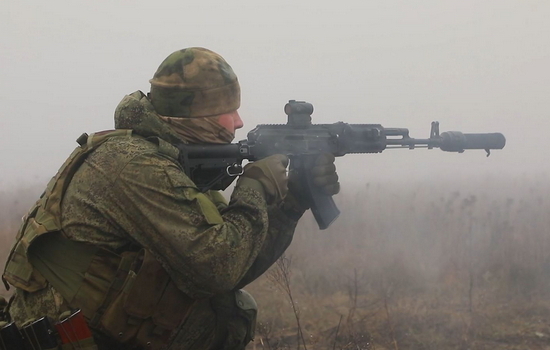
(475, 66)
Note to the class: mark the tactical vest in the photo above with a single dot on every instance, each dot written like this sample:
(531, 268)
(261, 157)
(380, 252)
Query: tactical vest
(128, 297)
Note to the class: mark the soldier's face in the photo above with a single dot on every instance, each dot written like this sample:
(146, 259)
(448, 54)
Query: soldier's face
(231, 121)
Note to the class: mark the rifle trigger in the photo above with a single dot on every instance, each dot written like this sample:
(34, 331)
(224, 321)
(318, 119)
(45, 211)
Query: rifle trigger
(234, 170)
(488, 151)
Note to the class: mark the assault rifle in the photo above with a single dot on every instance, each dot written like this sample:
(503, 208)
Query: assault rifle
(216, 166)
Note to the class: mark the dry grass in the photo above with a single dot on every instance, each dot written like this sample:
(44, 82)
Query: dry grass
(429, 265)
(421, 266)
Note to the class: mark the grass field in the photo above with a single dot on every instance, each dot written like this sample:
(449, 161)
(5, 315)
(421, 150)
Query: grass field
(436, 265)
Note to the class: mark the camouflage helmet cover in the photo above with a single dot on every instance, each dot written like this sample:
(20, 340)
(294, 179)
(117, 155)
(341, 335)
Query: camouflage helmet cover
(195, 82)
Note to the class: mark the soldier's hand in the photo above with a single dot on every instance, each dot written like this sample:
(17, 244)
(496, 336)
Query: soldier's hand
(323, 175)
(271, 173)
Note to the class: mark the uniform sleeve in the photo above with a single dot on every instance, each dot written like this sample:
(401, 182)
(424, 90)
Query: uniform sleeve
(282, 223)
(205, 251)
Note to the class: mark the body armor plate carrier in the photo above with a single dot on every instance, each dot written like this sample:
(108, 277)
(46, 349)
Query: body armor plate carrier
(128, 297)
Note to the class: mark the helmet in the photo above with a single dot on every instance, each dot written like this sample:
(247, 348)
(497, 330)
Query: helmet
(194, 82)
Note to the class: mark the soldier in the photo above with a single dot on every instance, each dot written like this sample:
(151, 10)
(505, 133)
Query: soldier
(122, 234)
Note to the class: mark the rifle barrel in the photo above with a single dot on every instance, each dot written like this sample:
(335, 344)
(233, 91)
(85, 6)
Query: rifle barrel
(451, 141)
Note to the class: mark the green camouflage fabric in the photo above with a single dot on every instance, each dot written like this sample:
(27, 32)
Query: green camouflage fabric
(195, 82)
(128, 193)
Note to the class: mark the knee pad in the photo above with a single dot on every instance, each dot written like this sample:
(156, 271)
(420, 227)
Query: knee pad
(235, 319)
(248, 309)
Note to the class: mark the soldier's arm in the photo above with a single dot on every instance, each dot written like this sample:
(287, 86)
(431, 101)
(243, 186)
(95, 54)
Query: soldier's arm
(283, 219)
(206, 252)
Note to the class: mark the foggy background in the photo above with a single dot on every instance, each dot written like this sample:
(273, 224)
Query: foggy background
(456, 244)
(475, 66)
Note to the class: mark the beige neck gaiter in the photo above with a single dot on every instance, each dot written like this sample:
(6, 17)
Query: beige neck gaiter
(199, 130)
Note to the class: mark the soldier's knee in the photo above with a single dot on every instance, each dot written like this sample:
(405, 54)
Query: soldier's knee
(248, 310)
(236, 316)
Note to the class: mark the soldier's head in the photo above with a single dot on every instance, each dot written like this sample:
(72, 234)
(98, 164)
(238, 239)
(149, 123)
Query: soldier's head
(197, 85)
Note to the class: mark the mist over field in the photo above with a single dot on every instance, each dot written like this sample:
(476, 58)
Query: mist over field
(433, 250)
(473, 66)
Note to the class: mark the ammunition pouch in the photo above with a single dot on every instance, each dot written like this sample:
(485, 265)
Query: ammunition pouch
(148, 309)
(71, 333)
(129, 297)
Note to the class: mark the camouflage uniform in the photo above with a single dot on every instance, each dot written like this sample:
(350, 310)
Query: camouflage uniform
(127, 194)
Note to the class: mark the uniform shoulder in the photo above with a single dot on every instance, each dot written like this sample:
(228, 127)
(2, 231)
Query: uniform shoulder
(118, 151)
(127, 148)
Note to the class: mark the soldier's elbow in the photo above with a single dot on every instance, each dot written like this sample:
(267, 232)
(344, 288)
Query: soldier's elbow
(223, 284)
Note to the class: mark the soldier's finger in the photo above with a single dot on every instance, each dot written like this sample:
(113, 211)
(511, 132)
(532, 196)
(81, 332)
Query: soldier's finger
(282, 158)
(321, 170)
(332, 189)
(322, 181)
(325, 158)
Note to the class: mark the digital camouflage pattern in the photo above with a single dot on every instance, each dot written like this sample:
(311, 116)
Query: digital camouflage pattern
(129, 194)
(195, 82)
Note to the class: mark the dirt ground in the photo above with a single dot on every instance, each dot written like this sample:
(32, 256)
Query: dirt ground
(432, 318)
